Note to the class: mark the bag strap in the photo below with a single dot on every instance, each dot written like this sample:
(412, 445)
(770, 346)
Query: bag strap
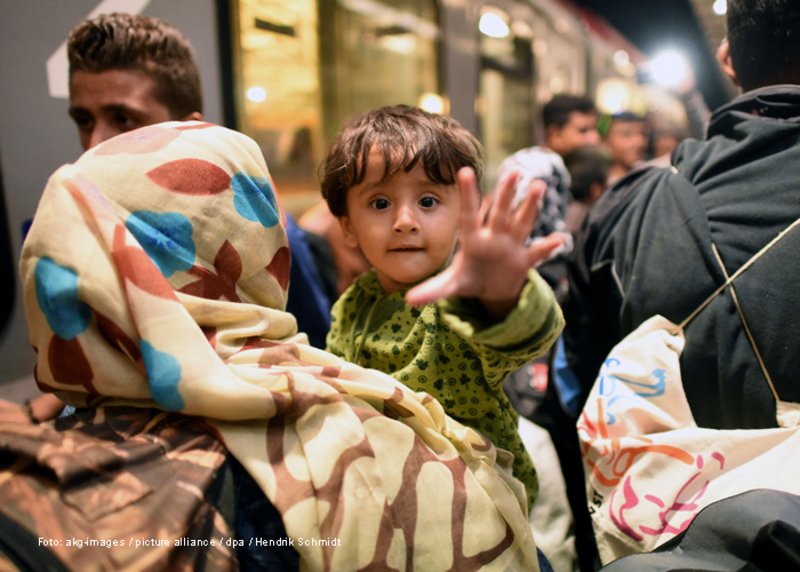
(728, 282)
(744, 267)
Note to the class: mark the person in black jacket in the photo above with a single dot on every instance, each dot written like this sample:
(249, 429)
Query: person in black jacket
(663, 239)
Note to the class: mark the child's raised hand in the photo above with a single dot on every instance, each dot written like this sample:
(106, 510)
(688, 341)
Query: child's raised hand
(492, 261)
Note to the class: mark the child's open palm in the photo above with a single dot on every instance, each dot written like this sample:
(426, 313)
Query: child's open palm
(493, 259)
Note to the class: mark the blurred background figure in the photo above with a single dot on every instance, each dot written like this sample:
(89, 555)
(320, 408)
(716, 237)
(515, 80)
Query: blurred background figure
(625, 137)
(588, 170)
(667, 240)
(127, 71)
(664, 139)
(570, 122)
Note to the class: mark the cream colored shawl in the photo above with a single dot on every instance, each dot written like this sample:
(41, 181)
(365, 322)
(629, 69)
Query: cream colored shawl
(155, 274)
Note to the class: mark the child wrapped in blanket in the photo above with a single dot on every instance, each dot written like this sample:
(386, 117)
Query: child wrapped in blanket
(404, 185)
(155, 278)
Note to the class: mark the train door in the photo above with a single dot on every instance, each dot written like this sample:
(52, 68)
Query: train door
(506, 103)
(304, 68)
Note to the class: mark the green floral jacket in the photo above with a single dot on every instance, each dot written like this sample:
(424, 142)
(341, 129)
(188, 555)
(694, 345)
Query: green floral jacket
(451, 350)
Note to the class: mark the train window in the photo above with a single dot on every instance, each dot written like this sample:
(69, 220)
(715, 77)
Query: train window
(302, 68)
(506, 103)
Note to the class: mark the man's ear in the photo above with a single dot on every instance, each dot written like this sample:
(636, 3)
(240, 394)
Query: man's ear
(349, 236)
(725, 61)
(193, 116)
(552, 133)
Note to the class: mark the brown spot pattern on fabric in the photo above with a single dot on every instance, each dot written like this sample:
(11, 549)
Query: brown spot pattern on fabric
(68, 363)
(402, 513)
(280, 265)
(190, 177)
(274, 354)
(135, 266)
(115, 337)
(330, 371)
(394, 403)
(219, 285)
(210, 332)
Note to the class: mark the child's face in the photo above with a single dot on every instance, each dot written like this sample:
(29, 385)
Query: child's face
(406, 226)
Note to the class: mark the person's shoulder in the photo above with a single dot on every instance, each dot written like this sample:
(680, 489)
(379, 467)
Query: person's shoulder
(625, 189)
(533, 151)
(616, 206)
(539, 159)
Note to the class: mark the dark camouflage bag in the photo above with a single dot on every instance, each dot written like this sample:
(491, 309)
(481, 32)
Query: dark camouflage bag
(113, 489)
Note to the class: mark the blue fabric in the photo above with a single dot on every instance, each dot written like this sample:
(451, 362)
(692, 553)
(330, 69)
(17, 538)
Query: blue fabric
(307, 299)
(258, 524)
(544, 563)
(568, 388)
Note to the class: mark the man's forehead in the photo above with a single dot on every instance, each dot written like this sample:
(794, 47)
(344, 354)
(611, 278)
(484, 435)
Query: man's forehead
(582, 119)
(626, 125)
(111, 83)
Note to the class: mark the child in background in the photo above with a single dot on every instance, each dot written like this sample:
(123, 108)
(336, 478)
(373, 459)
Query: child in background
(452, 322)
(588, 172)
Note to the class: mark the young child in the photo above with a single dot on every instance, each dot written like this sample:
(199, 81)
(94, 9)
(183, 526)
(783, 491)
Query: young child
(403, 184)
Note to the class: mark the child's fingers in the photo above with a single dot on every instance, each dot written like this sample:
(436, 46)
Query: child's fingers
(470, 200)
(500, 214)
(528, 211)
(435, 288)
(543, 248)
(486, 206)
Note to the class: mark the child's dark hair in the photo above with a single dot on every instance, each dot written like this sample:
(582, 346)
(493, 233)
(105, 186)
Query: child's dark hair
(405, 136)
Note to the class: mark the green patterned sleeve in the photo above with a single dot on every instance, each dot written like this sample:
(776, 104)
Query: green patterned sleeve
(529, 330)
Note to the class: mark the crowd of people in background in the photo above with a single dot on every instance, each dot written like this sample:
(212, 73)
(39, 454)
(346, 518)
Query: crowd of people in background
(207, 331)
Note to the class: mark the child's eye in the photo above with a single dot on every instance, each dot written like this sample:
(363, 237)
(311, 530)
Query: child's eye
(428, 202)
(380, 204)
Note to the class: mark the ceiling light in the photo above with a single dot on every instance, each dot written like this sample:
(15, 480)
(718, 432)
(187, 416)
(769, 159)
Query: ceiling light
(492, 25)
(256, 94)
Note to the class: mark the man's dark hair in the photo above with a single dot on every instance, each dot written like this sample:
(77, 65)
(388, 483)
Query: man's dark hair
(606, 121)
(560, 107)
(587, 165)
(764, 38)
(131, 42)
(405, 136)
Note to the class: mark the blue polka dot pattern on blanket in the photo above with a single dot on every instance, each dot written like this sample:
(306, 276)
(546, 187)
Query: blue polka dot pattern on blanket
(165, 237)
(254, 199)
(57, 295)
(164, 374)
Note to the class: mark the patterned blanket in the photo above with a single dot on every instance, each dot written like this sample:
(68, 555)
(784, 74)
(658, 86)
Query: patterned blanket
(155, 276)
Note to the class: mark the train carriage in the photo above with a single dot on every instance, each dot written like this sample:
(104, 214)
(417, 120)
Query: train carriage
(289, 74)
